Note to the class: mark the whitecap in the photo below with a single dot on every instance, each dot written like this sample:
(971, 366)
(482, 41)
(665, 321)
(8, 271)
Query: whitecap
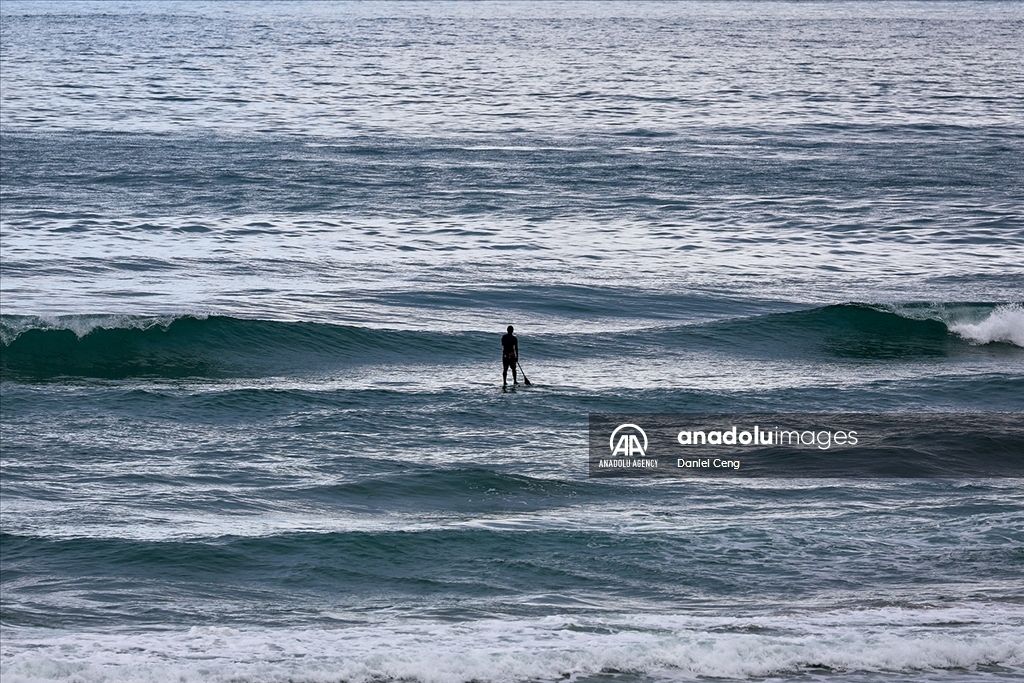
(1004, 324)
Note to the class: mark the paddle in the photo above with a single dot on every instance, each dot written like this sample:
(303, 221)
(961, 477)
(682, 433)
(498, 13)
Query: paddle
(526, 380)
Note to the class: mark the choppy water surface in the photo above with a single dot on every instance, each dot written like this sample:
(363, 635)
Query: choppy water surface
(256, 258)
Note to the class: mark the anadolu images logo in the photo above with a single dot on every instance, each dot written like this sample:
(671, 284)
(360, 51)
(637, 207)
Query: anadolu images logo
(628, 444)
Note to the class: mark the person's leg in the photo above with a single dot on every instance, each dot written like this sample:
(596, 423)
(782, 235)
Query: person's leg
(515, 379)
(504, 373)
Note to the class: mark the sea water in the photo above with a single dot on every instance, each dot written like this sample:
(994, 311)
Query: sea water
(257, 258)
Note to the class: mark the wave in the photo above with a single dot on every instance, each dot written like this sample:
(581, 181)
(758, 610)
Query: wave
(446, 490)
(1004, 324)
(874, 645)
(113, 347)
(868, 331)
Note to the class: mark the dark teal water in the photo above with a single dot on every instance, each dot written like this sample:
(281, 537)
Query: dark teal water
(256, 259)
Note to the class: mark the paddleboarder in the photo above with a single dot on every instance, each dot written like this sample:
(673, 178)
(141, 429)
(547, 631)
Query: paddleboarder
(509, 357)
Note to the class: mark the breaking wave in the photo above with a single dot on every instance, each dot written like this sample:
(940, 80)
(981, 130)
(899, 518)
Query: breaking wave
(197, 346)
(113, 347)
(883, 642)
(1004, 324)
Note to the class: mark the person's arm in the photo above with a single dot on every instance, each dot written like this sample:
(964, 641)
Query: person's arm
(516, 345)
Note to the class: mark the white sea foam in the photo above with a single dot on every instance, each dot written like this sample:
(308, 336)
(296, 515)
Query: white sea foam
(1004, 324)
(885, 642)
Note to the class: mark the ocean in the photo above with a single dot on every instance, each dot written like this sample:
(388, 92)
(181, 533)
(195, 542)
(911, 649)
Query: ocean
(256, 259)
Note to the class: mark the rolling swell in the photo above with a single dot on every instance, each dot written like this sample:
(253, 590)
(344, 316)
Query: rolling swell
(602, 554)
(463, 489)
(218, 346)
(215, 346)
(861, 331)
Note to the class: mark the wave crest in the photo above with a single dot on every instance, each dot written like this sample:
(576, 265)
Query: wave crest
(1004, 324)
(12, 327)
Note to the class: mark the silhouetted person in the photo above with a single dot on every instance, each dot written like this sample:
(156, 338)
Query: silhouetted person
(509, 357)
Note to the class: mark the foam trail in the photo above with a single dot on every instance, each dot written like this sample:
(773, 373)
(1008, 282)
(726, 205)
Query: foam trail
(882, 642)
(1004, 324)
